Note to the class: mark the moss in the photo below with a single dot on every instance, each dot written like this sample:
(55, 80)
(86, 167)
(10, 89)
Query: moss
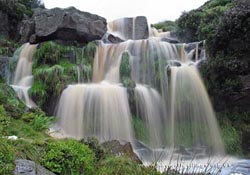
(125, 71)
(55, 66)
(234, 126)
(141, 132)
(10, 101)
(231, 140)
(7, 157)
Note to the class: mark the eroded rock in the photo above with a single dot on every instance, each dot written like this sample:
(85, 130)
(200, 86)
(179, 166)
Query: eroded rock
(117, 148)
(67, 24)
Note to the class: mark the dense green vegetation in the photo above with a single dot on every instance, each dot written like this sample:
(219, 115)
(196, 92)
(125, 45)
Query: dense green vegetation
(55, 66)
(16, 10)
(59, 156)
(224, 24)
(166, 26)
(68, 157)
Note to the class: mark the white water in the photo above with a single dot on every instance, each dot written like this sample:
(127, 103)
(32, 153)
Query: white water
(23, 78)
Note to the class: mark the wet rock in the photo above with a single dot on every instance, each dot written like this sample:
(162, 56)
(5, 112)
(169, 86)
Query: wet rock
(67, 24)
(109, 38)
(27, 167)
(116, 148)
(26, 29)
(170, 40)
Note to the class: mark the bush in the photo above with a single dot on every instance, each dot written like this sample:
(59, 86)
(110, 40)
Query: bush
(200, 24)
(231, 139)
(165, 26)
(7, 158)
(122, 165)
(8, 98)
(4, 120)
(94, 145)
(68, 157)
(39, 122)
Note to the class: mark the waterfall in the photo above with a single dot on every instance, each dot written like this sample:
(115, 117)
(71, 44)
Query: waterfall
(149, 106)
(23, 78)
(193, 121)
(169, 96)
(95, 110)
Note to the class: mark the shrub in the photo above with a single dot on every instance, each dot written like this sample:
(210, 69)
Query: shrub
(39, 122)
(231, 139)
(94, 145)
(4, 120)
(68, 157)
(7, 158)
(166, 26)
(200, 24)
(115, 165)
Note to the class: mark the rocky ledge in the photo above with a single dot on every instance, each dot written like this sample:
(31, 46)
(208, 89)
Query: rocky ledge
(67, 24)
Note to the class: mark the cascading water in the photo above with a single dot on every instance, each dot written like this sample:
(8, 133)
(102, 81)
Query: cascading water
(23, 74)
(170, 99)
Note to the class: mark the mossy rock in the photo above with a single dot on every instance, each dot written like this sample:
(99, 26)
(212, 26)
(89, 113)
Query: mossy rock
(54, 67)
(125, 71)
(12, 104)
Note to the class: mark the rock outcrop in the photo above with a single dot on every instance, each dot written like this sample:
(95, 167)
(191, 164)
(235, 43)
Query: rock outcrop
(115, 147)
(67, 24)
(130, 28)
(27, 167)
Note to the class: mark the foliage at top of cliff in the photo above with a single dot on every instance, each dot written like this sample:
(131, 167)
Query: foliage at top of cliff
(16, 9)
(165, 26)
(201, 23)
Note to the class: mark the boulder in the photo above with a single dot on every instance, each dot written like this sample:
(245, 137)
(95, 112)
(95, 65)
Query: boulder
(116, 147)
(130, 28)
(141, 30)
(27, 167)
(110, 38)
(26, 29)
(67, 24)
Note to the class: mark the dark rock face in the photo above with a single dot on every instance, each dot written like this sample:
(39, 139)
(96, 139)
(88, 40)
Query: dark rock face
(26, 29)
(3, 65)
(27, 167)
(115, 147)
(63, 24)
(4, 25)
